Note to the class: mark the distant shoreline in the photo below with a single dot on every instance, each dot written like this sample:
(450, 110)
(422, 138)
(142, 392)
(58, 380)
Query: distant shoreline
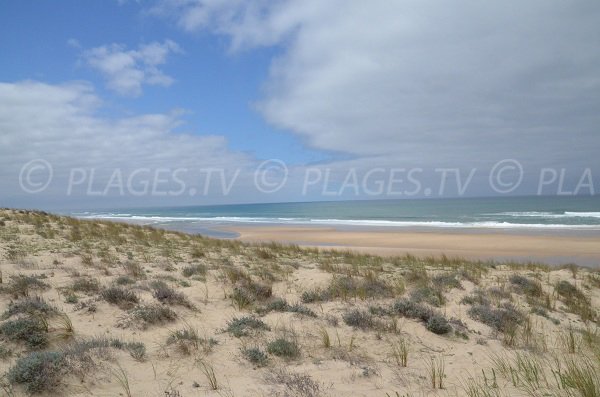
(551, 249)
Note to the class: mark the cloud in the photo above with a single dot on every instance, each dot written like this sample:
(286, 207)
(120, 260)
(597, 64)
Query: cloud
(126, 71)
(66, 126)
(419, 81)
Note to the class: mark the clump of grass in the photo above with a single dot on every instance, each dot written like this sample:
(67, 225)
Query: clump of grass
(502, 319)
(85, 284)
(38, 371)
(359, 319)
(134, 269)
(283, 347)
(477, 297)
(152, 314)
(30, 305)
(247, 291)
(400, 350)
(427, 294)
(526, 286)
(194, 270)
(244, 326)
(209, 372)
(121, 297)
(281, 305)
(188, 340)
(256, 356)
(21, 285)
(294, 384)
(33, 331)
(437, 371)
(434, 322)
(165, 294)
(575, 300)
(446, 281)
(124, 280)
(438, 324)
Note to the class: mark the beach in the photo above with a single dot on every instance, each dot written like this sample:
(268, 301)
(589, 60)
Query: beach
(483, 244)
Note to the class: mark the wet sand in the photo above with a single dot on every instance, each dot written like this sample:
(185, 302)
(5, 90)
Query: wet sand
(552, 249)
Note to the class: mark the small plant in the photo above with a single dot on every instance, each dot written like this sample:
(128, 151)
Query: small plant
(122, 379)
(325, 340)
(38, 371)
(209, 371)
(283, 347)
(438, 325)
(119, 296)
(31, 330)
(400, 351)
(437, 371)
(152, 314)
(86, 285)
(30, 305)
(256, 356)
(359, 319)
(243, 326)
(194, 270)
(523, 285)
(137, 350)
(165, 294)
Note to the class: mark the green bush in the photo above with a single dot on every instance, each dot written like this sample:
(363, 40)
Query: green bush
(256, 356)
(282, 347)
(501, 319)
(165, 294)
(28, 329)
(153, 314)
(38, 371)
(119, 296)
(438, 325)
(359, 319)
(194, 270)
(243, 326)
(32, 305)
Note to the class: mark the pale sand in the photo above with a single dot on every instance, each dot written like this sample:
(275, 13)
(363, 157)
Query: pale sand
(583, 250)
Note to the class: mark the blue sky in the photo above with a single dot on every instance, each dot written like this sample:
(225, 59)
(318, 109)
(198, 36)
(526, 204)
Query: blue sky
(216, 87)
(343, 93)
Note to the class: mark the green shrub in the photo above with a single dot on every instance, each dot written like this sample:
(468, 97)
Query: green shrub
(165, 294)
(282, 347)
(38, 371)
(438, 325)
(359, 319)
(124, 298)
(193, 270)
(32, 305)
(21, 285)
(256, 356)
(428, 295)
(30, 330)
(153, 314)
(124, 280)
(501, 319)
(243, 326)
(84, 284)
(523, 285)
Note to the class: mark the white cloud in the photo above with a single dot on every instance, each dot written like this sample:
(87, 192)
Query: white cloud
(126, 71)
(423, 81)
(65, 126)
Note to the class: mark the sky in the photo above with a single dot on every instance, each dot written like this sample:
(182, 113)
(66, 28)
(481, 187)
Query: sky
(190, 102)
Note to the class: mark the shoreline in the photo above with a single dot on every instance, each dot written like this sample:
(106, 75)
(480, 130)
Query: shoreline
(483, 245)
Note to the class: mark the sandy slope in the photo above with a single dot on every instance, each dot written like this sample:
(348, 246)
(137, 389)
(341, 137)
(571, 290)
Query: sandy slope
(359, 362)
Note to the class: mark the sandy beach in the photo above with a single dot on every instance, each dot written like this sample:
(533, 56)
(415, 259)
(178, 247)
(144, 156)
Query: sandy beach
(552, 249)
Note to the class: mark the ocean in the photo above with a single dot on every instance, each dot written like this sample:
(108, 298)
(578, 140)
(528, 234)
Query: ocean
(539, 214)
